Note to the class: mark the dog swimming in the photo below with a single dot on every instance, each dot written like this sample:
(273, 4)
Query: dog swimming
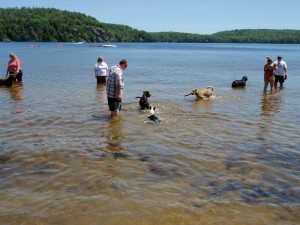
(202, 93)
(7, 81)
(152, 116)
(144, 103)
(239, 83)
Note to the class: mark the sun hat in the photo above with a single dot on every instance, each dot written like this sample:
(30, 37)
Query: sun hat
(269, 59)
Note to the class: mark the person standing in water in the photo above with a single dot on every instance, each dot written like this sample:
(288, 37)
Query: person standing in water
(101, 70)
(114, 87)
(280, 72)
(269, 74)
(14, 67)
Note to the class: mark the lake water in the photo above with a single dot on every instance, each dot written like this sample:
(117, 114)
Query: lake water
(232, 159)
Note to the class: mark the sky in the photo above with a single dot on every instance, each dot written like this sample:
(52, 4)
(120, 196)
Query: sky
(188, 16)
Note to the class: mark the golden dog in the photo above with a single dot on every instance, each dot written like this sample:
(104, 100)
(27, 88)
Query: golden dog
(201, 94)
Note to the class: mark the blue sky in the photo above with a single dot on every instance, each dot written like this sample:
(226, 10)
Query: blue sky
(190, 16)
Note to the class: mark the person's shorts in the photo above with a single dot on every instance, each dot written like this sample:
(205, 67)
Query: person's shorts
(114, 104)
(268, 78)
(101, 79)
(279, 78)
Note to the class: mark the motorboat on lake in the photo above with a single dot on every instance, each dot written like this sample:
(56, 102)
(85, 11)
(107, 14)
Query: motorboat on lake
(108, 46)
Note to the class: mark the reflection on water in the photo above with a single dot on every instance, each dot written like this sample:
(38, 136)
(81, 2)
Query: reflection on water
(101, 92)
(271, 102)
(270, 105)
(115, 135)
(16, 92)
(232, 159)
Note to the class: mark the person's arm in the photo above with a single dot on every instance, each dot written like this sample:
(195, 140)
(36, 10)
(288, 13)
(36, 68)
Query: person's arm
(7, 71)
(119, 92)
(96, 70)
(285, 70)
(118, 85)
(18, 66)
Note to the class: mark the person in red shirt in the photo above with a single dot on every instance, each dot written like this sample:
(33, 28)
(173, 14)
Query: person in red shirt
(269, 77)
(14, 67)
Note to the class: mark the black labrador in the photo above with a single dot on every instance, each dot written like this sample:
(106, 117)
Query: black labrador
(144, 103)
(240, 83)
(7, 81)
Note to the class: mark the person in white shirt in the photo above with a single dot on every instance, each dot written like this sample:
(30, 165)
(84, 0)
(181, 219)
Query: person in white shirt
(101, 70)
(280, 72)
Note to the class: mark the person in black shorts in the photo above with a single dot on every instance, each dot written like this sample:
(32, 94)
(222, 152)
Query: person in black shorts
(280, 72)
(114, 87)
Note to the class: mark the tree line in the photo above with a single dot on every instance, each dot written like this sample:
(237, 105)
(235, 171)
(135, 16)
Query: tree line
(53, 25)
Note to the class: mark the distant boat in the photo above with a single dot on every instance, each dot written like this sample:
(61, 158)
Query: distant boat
(108, 46)
(79, 43)
(33, 46)
(95, 45)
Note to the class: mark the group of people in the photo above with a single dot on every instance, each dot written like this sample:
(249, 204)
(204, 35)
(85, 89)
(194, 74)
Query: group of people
(14, 67)
(275, 72)
(114, 78)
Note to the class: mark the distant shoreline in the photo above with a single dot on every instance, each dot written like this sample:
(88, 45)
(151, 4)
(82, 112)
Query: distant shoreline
(53, 25)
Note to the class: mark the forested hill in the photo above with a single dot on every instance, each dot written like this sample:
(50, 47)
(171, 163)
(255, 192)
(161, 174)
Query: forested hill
(53, 25)
(40, 24)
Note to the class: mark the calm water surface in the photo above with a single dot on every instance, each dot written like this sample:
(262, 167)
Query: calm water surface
(233, 159)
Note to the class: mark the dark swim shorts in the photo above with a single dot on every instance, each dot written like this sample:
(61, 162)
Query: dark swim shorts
(279, 78)
(114, 104)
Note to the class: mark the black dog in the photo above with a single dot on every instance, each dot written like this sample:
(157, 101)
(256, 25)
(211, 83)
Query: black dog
(240, 83)
(7, 81)
(144, 100)
(152, 116)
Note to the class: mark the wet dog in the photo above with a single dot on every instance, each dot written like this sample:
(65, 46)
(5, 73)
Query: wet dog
(144, 103)
(240, 83)
(201, 94)
(7, 81)
(152, 116)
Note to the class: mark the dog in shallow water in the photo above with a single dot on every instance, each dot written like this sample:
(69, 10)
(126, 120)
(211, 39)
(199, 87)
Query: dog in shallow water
(203, 93)
(239, 83)
(7, 81)
(152, 116)
(144, 103)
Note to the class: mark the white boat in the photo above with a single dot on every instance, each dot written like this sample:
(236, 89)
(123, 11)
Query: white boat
(79, 43)
(109, 46)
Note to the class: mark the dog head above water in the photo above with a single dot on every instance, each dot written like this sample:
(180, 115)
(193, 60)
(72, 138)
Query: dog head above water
(245, 78)
(146, 94)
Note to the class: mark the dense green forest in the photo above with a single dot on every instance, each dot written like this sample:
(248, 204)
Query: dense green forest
(53, 25)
